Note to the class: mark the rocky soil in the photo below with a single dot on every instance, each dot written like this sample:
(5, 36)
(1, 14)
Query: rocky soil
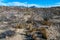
(29, 24)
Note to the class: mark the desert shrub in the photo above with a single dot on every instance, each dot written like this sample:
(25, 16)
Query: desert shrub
(44, 33)
(21, 25)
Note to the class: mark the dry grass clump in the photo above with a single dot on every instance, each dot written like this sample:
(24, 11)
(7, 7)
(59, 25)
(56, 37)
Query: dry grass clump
(46, 23)
(21, 25)
(44, 32)
(27, 13)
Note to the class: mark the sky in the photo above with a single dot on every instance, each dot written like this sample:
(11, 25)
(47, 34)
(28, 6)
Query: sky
(37, 3)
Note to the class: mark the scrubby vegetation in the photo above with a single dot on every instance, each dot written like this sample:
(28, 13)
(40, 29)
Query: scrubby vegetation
(34, 23)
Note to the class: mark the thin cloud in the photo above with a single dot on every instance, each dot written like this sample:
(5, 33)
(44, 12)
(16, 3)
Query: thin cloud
(54, 5)
(18, 4)
(25, 4)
